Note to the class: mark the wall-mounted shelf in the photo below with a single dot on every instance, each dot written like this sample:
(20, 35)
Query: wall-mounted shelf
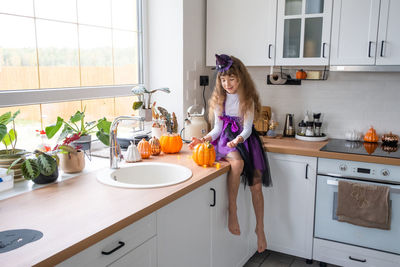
(285, 76)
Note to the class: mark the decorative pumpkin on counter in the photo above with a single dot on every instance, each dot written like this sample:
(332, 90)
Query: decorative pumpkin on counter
(371, 136)
(171, 143)
(204, 154)
(370, 147)
(301, 75)
(155, 146)
(144, 149)
(390, 139)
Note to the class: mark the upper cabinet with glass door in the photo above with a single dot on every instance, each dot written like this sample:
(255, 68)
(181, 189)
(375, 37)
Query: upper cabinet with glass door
(303, 32)
(242, 28)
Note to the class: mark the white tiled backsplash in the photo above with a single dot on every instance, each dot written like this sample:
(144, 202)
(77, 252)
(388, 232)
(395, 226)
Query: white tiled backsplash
(348, 100)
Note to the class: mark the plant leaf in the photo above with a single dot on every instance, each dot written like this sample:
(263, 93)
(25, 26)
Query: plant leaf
(103, 137)
(137, 104)
(9, 138)
(65, 132)
(104, 124)
(13, 164)
(53, 129)
(13, 116)
(5, 117)
(67, 149)
(47, 164)
(30, 169)
(3, 131)
(78, 116)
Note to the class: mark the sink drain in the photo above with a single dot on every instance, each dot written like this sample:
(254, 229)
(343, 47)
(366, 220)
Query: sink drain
(13, 239)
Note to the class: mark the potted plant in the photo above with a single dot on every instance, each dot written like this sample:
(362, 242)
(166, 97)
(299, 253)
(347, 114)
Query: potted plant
(77, 125)
(72, 158)
(144, 100)
(8, 137)
(40, 167)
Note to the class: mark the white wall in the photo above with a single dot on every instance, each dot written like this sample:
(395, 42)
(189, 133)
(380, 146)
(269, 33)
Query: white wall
(348, 100)
(176, 52)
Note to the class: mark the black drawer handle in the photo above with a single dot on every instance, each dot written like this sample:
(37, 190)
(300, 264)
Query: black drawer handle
(306, 171)
(215, 200)
(121, 244)
(323, 50)
(382, 44)
(354, 259)
(269, 51)
(369, 49)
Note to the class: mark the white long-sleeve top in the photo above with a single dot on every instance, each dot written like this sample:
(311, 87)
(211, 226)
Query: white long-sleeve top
(232, 105)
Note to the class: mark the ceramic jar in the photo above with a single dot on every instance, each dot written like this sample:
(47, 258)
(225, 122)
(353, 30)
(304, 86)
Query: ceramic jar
(72, 162)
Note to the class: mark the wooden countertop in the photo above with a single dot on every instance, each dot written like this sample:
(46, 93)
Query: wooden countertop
(312, 149)
(77, 213)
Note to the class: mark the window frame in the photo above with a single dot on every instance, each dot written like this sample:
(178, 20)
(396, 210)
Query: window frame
(25, 97)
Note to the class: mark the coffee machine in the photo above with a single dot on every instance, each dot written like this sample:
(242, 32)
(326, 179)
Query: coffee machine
(289, 130)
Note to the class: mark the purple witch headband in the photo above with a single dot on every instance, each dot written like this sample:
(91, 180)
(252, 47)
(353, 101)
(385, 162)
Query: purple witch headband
(224, 62)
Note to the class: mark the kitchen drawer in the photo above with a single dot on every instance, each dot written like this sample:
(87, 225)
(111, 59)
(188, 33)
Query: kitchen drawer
(341, 254)
(132, 236)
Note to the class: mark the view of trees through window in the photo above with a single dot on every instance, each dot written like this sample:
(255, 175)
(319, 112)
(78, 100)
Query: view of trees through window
(51, 44)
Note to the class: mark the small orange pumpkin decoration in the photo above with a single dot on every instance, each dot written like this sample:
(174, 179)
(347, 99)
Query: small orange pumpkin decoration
(155, 146)
(171, 143)
(144, 149)
(301, 74)
(370, 147)
(204, 154)
(371, 136)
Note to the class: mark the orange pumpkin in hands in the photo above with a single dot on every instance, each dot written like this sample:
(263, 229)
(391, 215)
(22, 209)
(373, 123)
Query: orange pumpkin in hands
(171, 143)
(144, 148)
(204, 154)
(371, 136)
(155, 146)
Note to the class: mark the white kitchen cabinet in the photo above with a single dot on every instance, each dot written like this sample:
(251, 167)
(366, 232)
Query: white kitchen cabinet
(223, 243)
(388, 33)
(193, 230)
(123, 243)
(303, 32)
(183, 230)
(289, 204)
(354, 32)
(244, 29)
(143, 256)
(365, 32)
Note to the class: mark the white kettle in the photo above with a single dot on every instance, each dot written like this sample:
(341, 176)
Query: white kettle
(195, 124)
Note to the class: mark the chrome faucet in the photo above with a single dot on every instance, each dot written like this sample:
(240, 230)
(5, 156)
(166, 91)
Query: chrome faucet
(115, 149)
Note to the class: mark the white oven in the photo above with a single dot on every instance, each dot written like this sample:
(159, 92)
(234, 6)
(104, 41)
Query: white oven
(327, 227)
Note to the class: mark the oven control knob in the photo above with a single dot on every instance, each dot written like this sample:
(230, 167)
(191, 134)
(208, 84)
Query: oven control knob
(343, 167)
(385, 172)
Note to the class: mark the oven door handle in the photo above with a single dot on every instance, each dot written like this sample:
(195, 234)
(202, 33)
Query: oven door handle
(395, 189)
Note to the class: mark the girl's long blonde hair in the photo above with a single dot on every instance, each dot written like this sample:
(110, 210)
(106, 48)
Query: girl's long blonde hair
(247, 91)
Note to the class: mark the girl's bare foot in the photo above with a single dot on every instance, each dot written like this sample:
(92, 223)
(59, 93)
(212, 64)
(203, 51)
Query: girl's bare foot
(261, 240)
(233, 223)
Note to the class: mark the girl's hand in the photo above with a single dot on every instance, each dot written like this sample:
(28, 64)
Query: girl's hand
(195, 141)
(235, 142)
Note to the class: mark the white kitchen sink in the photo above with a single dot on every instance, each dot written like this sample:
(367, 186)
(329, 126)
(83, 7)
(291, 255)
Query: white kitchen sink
(146, 175)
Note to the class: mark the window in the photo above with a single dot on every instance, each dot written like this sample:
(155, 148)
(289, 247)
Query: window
(59, 56)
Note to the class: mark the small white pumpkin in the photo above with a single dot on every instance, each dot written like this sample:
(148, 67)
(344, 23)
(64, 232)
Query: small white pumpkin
(132, 153)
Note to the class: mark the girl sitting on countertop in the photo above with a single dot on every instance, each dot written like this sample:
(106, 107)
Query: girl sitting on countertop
(234, 104)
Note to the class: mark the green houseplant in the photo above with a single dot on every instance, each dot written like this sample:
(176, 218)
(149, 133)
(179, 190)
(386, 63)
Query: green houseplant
(8, 137)
(77, 125)
(40, 167)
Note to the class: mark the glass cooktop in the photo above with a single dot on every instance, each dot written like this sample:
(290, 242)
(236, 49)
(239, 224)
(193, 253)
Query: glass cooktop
(362, 148)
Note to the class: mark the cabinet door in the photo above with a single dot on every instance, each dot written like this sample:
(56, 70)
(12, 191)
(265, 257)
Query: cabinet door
(244, 29)
(289, 204)
(303, 32)
(223, 243)
(143, 256)
(183, 230)
(388, 35)
(354, 32)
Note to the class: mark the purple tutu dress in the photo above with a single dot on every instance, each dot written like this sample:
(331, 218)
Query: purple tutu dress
(251, 151)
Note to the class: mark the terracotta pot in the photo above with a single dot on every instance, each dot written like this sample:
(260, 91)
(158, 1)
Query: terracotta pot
(72, 162)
